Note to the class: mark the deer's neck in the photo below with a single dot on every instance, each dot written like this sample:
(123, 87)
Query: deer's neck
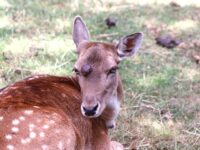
(113, 105)
(120, 92)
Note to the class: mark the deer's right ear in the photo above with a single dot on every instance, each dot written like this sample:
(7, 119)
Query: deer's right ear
(80, 32)
(129, 45)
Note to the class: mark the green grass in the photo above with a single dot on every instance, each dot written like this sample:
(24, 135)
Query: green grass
(162, 106)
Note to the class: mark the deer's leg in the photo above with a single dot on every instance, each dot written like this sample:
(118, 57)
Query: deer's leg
(116, 145)
(110, 123)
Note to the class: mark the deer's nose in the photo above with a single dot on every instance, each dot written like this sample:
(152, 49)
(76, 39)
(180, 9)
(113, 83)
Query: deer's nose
(90, 111)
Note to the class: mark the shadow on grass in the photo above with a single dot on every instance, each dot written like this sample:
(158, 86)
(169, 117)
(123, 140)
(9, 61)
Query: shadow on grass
(5, 33)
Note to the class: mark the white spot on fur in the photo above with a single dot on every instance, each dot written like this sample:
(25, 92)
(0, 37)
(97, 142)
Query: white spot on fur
(45, 126)
(15, 122)
(32, 135)
(32, 78)
(15, 129)
(45, 147)
(57, 131)
(31, 125)
(27, 87)
(28, 112)
(1, 118)
(10, 147)
(63, 95)
(24, 141)
(42, 134)
(4, 91)
(68, 141)
(39, 120)
(22, 118)
(13, 87)
(60, 145)
(8, 137)
(36, 106)
(51, 121)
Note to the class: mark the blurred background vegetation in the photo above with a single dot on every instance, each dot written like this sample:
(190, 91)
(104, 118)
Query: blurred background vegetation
(162, 86)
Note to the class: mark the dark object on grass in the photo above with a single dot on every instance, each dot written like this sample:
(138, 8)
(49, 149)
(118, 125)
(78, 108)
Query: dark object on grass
(111, 22)
(18, 71)
(167, 41)
(174, 4)
(196, 58)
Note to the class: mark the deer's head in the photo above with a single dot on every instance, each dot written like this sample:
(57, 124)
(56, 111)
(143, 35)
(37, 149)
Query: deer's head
(96, 67)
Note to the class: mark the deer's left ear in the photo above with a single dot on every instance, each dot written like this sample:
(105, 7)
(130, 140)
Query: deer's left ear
(129, 45)
(80, 32)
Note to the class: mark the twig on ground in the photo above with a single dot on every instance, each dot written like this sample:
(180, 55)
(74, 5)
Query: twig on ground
(105, 35)
(132, 107)
(191, 133)
(142, 144)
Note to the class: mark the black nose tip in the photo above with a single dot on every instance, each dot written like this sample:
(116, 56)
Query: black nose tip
(90, 111)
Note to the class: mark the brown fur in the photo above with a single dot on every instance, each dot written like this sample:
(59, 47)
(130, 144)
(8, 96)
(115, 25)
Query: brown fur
(50, 98)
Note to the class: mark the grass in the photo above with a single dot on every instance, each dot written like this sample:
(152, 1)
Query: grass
(162, 97)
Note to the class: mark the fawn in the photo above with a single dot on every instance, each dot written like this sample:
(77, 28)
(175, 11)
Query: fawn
(68, 113)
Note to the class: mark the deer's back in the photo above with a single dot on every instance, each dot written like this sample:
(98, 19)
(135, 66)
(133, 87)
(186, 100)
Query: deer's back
(42, 112)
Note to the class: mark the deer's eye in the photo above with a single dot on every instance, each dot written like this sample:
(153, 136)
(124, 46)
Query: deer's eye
(76, 71)
(113, 70)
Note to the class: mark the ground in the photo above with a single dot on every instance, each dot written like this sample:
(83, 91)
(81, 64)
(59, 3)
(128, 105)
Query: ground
(161, 109)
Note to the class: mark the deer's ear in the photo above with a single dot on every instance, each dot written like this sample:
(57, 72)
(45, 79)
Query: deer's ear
(80, 32)
(129, 45)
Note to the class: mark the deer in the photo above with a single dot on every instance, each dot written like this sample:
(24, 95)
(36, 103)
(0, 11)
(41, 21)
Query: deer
(46, 112)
